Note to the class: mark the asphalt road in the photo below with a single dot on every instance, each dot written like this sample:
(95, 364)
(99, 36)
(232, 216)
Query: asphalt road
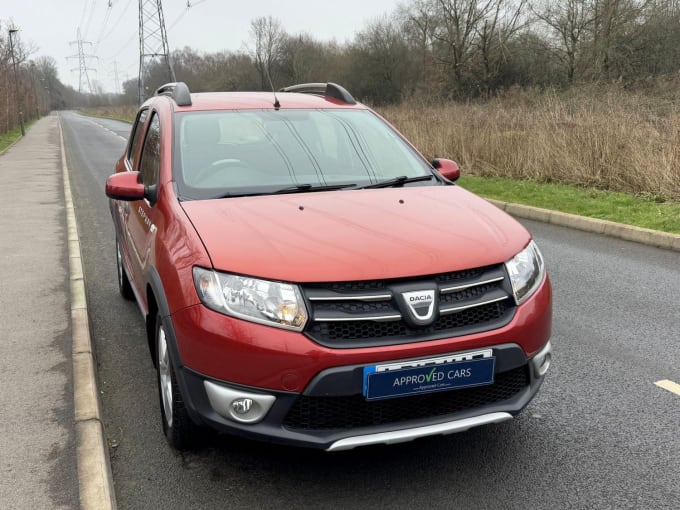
(600, 434)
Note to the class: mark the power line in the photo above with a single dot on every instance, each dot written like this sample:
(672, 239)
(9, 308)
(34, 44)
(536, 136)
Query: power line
(89, 18)
(117, 22)
(181, 15)
(132, 37)
(82, 15)
(107, 15)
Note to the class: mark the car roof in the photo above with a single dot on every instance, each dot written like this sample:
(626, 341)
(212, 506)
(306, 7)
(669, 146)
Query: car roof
(262, 100)
(303, 95)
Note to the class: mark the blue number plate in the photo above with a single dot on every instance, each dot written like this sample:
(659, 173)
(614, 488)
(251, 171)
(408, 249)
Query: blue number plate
(380, 384)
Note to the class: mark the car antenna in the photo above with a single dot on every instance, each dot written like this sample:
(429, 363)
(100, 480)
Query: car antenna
(276, 99)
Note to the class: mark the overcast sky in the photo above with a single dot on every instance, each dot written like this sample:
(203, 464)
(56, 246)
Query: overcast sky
(49, 26)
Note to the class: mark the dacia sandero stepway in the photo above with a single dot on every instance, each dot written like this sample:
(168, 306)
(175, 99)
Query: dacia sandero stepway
(307, 277)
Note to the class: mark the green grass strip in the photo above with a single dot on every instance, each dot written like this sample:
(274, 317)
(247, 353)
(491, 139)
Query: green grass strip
(7, 139)
(641, 211)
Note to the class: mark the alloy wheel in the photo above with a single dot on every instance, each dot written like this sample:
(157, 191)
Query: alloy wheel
(164, 375)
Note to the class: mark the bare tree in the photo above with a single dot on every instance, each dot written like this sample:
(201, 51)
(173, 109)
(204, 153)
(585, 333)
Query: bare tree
(267, 36)
(418, 22)
(381, 62)
(615, 34)
(493, 37)
(659, 38)
(15, 84)
(460, 21)
(301, 58)
(570, 22)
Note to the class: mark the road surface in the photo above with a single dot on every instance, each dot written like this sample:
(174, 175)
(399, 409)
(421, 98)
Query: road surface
(600, 434)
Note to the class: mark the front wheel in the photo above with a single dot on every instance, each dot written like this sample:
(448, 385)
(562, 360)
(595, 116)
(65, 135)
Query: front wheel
(178, 428)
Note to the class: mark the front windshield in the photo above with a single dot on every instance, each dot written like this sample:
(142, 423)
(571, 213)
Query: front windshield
(261, 151)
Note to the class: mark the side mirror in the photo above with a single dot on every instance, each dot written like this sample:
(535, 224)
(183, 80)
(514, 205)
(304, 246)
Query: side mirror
(125, 186)
(447, 168)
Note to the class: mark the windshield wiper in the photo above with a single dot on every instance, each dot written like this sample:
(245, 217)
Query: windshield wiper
(304, 188)
(397, 181)
(297, 188)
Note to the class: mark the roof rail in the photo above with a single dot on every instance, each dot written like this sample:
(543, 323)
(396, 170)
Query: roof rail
(177, 91)
(327, 89)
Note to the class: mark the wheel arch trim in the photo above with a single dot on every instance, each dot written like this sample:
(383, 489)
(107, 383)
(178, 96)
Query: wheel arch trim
(156, 294)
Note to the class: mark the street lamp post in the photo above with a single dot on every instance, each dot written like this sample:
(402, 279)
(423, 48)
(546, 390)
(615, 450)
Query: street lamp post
(35, 89)
(16, 80)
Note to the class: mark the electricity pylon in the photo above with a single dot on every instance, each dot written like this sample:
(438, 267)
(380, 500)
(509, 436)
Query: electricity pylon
(153, 41)
(82, 63)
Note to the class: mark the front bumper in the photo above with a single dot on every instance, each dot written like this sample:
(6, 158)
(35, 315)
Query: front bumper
(311, 395)
(249, 354)
(332, 414)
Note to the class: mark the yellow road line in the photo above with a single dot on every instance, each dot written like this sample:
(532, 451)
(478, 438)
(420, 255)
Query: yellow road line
(669, 385)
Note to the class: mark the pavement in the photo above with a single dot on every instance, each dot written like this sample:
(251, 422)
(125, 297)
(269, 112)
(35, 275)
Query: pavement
(54, 451)
(54, 454)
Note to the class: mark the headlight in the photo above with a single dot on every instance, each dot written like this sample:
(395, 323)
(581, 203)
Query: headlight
(272, 303)
(526, 270)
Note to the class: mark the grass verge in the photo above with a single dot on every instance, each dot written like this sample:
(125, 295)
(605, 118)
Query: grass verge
(640, 211)
(7, 139)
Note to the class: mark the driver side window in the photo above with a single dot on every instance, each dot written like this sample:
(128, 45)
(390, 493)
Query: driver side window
(151, 153)
(137, 138)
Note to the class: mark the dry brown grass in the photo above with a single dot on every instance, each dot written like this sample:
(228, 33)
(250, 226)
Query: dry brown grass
(125, 112)
(600, 137)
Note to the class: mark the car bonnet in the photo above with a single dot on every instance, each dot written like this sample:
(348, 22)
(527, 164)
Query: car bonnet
(355, 234)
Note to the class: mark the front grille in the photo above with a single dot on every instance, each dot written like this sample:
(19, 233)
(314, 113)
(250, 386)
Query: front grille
(470, 293)
(347, 412)
(372, 313)
(356, 286)
(351, 307)
(363, 330)
(456, 276)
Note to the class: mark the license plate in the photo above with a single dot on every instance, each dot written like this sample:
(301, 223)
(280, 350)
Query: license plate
(428, 376)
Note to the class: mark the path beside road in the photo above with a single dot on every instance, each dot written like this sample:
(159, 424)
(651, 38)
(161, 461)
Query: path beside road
(37, 433)
(51, 438)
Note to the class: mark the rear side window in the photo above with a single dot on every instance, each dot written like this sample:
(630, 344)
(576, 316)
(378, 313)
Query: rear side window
(137, 138)
(151, 153)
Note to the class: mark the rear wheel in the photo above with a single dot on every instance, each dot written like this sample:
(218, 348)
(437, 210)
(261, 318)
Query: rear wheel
(178, 428)
(124, 286)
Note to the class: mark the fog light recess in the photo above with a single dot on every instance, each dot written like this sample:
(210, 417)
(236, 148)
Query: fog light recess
(237, 405)
(542, 360)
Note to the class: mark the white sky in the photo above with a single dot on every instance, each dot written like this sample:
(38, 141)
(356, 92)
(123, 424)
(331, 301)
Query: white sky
(207, 26)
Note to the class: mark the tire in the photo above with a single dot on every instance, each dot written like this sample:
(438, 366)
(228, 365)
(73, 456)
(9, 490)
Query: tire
(180, 431)
(124, 286)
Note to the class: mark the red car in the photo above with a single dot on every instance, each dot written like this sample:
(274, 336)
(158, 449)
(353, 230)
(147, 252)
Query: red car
(307, 277)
